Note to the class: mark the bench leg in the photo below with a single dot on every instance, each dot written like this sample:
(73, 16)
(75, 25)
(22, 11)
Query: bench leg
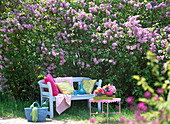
(51, 108)
(99, 106)
(88, 103)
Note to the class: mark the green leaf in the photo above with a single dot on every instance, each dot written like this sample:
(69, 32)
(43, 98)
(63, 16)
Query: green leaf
(136, 77)
(164, 86)
(142, 99)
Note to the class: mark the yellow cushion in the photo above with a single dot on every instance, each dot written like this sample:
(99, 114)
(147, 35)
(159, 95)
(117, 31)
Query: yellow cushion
(65, 87)
(88, 85)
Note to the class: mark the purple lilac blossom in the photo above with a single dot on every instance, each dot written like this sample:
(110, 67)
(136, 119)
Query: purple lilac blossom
(159, 51)
(79, 62)
(148, 6)
(120, 6)
(114, 16)
(99, 28)
(100, 60)
(87, 65)
(94, 49)
(153, 47)
(104, 41)
(92, 40)
(114, 45)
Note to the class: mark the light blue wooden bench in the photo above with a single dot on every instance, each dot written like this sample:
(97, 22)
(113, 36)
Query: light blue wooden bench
(48, 94)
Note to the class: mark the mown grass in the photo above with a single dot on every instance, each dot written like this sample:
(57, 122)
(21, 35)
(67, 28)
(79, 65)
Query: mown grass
(77, 112)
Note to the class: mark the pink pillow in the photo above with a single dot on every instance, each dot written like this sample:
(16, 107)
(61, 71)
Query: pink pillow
(50, 79)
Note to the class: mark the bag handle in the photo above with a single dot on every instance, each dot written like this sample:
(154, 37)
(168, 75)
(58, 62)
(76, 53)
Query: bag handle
(34, 104)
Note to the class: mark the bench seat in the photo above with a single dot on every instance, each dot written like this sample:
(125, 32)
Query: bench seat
(48, 94)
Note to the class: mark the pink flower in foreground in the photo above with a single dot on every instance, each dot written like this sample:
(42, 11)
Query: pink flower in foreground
(163, 71)
(87, 65)
(147, 94)
(132, 108)
(92, 120)
(166, 117)
(156, 97)
(130, 99)
(142, 106)
(122, 119)
(154, 122)
(160, 91)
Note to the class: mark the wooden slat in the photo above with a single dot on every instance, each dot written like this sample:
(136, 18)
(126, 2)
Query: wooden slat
(45, 93)
(44, 85)
(82, 97)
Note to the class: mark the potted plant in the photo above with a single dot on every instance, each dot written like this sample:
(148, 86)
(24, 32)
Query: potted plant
(109, 90)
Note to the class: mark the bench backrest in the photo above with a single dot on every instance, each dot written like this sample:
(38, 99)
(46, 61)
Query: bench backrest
(75, 79)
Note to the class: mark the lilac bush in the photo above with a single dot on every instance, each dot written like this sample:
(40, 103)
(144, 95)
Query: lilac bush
(97, 39)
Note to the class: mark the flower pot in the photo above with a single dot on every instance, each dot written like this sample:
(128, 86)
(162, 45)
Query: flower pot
(109, 94)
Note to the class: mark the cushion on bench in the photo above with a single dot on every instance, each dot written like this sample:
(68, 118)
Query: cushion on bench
(65, 87)
(88, 85)
(50, 79)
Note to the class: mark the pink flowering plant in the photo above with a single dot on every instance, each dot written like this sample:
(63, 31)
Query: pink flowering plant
(156, 102)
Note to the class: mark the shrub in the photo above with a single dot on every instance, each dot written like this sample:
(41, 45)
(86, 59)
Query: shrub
(154, 107)
(99, 39)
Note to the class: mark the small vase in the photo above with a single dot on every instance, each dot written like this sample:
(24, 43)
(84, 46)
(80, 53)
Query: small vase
(109, 94)
(81, 91)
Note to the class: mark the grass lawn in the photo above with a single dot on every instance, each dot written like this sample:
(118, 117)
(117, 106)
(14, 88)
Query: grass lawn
(77, 112)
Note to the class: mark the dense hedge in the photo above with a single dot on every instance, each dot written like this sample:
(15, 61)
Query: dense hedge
(105, 40)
